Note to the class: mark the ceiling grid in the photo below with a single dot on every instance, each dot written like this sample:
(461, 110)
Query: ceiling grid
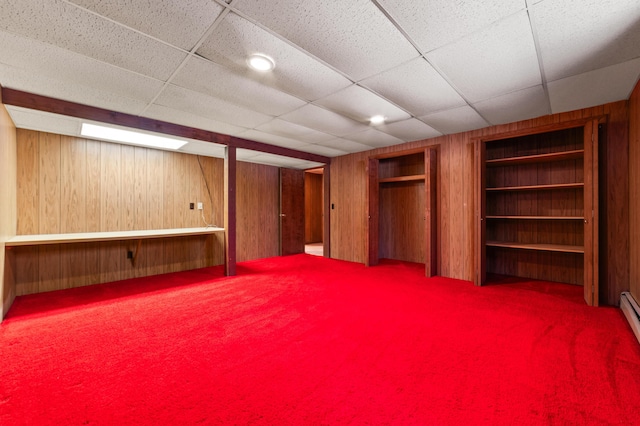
(431, 68)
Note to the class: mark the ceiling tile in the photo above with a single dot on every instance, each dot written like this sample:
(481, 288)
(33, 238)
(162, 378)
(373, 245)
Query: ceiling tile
(43, 121)
(360, 105)
(294, 131)
(235, 39)
(610, 84)
(17, 78)
(245, 154)
(576, 36)
(69, 27)
(498, 60)
(374, 138)
(369, 43)
(346, 145)
(172, 115)
(435, 23)
(36, 60)
(455, 120)
(417, 87)
(324, 150)
(255, 135)
(207, 106)
(322, 120)
(181, 24)
(280, 161)
(516, 106)
(217, 81)
(409, 130)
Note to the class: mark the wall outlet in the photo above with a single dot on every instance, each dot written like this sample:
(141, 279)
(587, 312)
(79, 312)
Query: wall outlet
(199, 206)
(191, 206)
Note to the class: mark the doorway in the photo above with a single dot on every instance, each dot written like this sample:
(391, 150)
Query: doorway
(313, 211)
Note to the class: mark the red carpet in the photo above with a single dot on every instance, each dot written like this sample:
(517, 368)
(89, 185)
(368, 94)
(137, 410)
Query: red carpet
(307, 340)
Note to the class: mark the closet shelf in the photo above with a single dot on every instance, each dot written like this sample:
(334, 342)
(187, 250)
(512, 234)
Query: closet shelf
(536, 246)
(515, 217)
(537, 187)
(540, 158)
(412, 178)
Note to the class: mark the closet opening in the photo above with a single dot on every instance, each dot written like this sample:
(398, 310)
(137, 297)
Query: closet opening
(313, 211)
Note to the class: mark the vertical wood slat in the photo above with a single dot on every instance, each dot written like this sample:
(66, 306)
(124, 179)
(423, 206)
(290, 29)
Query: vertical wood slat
(431, 212)
(372, 213)
(480, 214)
(73, 163)
(230, 210)
(634, 193)
(326, 208)
(591, 291)
(28, 199)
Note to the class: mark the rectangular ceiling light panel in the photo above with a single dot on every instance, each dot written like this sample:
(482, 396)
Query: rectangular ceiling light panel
(130, 137)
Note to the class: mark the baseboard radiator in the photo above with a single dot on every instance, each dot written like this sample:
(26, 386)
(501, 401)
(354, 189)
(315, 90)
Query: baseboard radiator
(631, 310)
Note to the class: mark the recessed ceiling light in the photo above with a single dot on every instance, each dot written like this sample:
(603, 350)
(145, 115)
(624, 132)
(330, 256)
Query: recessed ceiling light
(377, 119)
(260, 62)
(128, 136)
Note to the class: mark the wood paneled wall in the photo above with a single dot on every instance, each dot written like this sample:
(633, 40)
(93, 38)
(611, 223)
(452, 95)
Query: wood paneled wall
(456, 202)
(67, 184)
(313, 208)
(7, 207)
(258, 209)
(401, 221)
(634, 192)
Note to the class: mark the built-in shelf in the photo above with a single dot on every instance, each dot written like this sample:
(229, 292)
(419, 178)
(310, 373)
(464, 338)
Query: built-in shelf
(539, 247)
(90, 237)
(537, 217)
(538, 187)
(412, 178)
(539, 158)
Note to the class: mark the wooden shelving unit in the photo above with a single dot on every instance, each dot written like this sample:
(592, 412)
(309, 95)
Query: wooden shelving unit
(401, 207)
(537, 206)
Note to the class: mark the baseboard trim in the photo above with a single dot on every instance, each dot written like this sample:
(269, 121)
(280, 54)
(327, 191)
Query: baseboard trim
(631, 311)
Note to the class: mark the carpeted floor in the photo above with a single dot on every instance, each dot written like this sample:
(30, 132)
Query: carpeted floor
(308, 340)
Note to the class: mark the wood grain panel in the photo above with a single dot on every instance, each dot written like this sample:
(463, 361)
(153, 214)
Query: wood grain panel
(634, 192)
(28, 198)
(110, 184)
(8, 207)
(258, 207)
(402, 221)
(140, 194)
(73, 165)
(292, 213)
(615, 193)
(49, 184)
(313, 196)
(107, 186)
(446, 187)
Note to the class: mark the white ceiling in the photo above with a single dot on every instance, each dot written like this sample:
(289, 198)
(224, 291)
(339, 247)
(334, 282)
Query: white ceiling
(431, 67)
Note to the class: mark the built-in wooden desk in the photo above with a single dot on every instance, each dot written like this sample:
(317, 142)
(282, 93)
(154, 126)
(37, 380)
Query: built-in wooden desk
(90, 237)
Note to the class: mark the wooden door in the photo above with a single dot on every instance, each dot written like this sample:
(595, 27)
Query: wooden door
(291, 211)
(591, 258)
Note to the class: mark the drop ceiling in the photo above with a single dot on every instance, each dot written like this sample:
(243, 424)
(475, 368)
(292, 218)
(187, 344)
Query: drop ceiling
(431, 67)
